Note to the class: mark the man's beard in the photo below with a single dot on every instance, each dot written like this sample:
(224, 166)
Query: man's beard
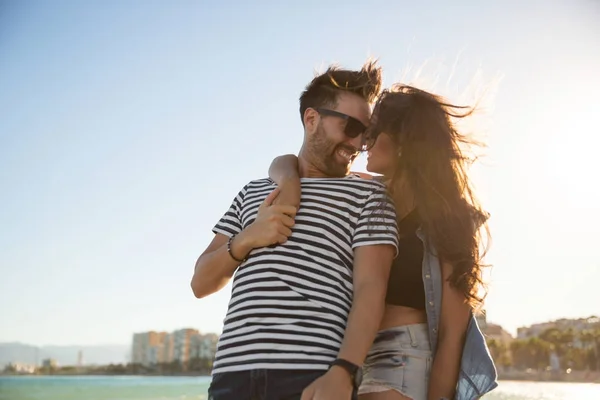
(322, 152)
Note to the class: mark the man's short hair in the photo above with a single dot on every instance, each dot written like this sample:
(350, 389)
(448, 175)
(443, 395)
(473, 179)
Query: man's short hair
(324, 89)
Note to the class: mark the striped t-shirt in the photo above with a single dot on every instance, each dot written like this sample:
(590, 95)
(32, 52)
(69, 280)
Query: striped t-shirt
(290, 303)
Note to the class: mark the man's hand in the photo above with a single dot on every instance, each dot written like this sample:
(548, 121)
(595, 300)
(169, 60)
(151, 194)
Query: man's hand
(336, 384)
(272, 224)
(289, 193)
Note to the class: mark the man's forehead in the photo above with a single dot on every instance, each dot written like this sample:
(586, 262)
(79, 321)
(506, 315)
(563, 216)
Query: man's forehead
(355, 106)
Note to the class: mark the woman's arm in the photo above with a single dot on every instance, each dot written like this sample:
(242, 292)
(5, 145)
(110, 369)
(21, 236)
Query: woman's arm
(284, 171)
(454, 319)
(284, 168)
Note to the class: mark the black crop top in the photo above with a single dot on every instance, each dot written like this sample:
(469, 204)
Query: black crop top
(405, 287)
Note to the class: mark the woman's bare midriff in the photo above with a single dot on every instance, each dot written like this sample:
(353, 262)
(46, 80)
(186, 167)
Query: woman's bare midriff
(399, 316)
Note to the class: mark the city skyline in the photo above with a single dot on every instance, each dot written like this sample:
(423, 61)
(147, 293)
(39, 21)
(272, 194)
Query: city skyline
(185, 345)
(129, 128)
(536, 326)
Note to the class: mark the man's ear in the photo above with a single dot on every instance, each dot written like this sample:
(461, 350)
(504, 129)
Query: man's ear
(311, 120)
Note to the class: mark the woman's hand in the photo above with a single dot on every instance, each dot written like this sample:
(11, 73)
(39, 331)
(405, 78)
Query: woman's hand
(272, 225)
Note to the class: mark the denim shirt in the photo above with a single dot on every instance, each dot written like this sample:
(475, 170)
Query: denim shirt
(477, 374)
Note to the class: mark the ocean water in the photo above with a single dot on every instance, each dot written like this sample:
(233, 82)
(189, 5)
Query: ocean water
(194, 388)
(103, 388)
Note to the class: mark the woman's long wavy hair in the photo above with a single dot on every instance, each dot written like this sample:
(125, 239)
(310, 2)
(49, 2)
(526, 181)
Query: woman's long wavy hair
(431, 160)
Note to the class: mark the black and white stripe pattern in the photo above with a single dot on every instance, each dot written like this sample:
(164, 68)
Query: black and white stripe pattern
(290, 303)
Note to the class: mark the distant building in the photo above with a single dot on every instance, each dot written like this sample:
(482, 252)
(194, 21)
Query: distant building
(151, 348)
(182, 344)
(496, 332)
(168, 354)
(20, 368)
(577, 325)
(148, 348)
(204, 346)
(49, 363)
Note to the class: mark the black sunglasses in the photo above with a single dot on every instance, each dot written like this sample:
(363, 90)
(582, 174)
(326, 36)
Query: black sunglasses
(354, 127)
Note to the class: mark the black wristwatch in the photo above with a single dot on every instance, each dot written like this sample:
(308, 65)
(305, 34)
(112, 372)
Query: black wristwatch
(354, 370)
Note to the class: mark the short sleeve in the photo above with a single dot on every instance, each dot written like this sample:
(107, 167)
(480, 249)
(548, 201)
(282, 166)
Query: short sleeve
(230, 223)
(377, 221)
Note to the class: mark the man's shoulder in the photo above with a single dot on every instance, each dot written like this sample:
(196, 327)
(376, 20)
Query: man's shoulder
(357, 186)
(371, 183)
(257, 184)
(261, 181)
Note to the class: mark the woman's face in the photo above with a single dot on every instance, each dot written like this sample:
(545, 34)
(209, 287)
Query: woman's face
(381, 158)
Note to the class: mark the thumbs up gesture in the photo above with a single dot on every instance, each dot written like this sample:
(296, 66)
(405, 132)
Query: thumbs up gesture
(273, 223)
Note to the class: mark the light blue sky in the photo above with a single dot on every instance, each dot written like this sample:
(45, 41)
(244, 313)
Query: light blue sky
(126, 128)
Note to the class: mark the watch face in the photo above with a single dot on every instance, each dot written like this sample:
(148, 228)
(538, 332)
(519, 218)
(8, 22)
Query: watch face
(355, 371)
(358, 376)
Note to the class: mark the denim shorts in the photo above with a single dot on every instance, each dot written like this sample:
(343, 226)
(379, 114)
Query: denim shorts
(400, 359)
(263, 384)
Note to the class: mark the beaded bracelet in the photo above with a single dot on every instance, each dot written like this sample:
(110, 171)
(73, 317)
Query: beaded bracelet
(229, 250)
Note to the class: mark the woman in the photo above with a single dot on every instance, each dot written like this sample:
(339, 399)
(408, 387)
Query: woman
(429, 345)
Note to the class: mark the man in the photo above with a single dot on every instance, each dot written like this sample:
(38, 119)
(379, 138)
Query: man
(309, 290)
